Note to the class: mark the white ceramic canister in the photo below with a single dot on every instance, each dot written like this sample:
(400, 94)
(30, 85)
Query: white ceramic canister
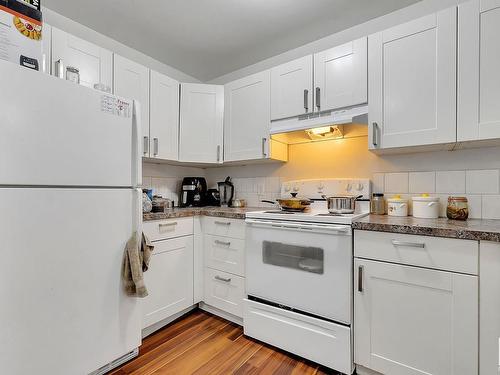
(426, 207)
(397, 206)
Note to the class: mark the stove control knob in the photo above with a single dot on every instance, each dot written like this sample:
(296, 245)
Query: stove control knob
(287, 187)
(321, 186)
(295, 188)
(360, 187)
(348, 187)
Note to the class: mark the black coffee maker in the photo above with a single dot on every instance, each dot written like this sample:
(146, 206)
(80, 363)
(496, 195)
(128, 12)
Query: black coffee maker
(193, 192)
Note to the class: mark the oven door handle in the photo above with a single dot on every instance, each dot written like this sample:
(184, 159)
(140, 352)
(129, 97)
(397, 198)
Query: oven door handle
(296, 226)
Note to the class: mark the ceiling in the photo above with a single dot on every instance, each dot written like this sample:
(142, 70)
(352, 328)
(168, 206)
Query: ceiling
(209, 38)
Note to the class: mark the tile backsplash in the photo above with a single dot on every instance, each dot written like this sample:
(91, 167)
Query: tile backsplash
(255, 189)
(481, 187)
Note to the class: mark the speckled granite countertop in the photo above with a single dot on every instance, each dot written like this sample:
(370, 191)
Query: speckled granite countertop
(472, 229)
(230, 213)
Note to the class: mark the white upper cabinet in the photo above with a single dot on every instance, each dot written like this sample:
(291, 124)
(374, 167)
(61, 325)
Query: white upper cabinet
(46, 48)
(341, 76)
(201, 123)
(164, 117)
(247, 117)
(131, 80)
(478, 70)
(415, 321)
(291, 88)
(412, 83)
(94, 63)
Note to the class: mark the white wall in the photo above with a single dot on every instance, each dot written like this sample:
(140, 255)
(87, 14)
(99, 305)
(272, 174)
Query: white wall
(59, 21)
(474, 173)
(419, 9)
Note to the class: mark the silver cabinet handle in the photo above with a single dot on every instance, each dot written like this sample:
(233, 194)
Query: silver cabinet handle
(420, 245)
(218, 153)
(306, 100)
(59, 68)
(223, 243)
(217, 277)
(360, 278)
(318, 98)
(375, 134)
(264, 140)
(222, 223)
(145, 146)
(161, 225)
(155, 146)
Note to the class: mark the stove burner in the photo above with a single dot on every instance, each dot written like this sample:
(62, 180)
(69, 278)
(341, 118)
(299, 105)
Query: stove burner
(280, 212)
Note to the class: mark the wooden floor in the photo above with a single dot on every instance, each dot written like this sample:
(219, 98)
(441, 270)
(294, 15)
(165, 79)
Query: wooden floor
(202, 343)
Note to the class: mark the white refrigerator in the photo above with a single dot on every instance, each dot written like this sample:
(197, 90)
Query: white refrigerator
(70, 172)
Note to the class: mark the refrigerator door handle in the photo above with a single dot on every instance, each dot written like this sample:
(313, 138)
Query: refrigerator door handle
(138, 213)
(137, 152)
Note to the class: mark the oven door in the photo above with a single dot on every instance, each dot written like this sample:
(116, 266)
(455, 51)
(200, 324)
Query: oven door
(307, 267)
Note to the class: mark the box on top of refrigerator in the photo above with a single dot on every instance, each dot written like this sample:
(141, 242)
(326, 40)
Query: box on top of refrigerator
(21, 32)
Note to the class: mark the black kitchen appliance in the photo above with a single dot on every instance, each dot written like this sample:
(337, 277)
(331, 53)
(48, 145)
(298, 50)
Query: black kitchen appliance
(226, 192)
(193, 192)
(213, 197)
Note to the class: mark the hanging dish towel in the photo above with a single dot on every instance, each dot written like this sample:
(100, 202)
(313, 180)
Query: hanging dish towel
(135, 262)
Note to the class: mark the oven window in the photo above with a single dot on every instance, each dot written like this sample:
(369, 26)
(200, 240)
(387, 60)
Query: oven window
(303, 258)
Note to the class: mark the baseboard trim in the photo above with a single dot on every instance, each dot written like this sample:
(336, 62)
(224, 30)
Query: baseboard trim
(162, 323)
(225, 315)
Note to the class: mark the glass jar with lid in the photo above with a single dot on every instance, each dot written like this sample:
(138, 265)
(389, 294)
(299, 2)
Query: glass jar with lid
(377, 204)
(458, 208)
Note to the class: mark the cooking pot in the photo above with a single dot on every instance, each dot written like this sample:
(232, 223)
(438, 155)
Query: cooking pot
(341, 204)
(292, 204)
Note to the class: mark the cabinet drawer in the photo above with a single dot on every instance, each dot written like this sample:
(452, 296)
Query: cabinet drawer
(321, 341)
(225, 254)
(171, 228)
(224, 291)
(219, 226)
(431, 252)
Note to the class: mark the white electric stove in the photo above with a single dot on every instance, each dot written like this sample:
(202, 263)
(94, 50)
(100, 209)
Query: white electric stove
(299, 274)
(318, 211)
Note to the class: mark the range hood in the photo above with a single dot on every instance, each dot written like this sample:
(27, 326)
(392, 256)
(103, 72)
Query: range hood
(352, 115)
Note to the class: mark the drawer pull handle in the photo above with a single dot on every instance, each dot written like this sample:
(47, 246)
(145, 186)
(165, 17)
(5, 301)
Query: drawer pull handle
(222, 223)
(217, 242)
(360, 279)
(167, 224)
(228, 280)
(420, 245)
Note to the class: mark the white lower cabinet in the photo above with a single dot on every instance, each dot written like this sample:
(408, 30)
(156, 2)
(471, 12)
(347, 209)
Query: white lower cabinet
(223, 257)
(410, 320)
(169, 280)
(489, 308)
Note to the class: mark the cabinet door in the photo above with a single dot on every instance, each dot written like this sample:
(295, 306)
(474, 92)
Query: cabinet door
(415, 321)
(164, 121)
(201, 123)
(46, 48)
(412, 83)
(169, 280)
(247, 117)
(94, 63)
(131, 80)
(341, 76)
(478, 73)
(291, 88)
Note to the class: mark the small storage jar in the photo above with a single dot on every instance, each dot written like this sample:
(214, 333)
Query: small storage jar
(377, 204)
(397, 206)
(426, 207)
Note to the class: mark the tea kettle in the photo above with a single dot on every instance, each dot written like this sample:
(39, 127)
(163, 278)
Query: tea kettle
(226, 192)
